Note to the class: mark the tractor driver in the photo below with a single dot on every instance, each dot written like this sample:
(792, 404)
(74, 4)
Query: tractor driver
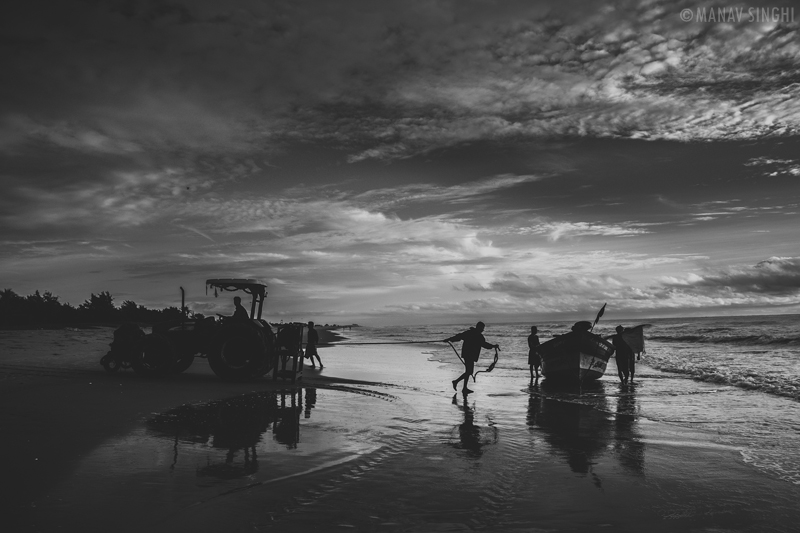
(240, 312)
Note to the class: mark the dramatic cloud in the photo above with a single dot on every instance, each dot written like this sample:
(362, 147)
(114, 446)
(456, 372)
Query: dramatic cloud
(778, 276)
(386, 81)
(402, 159)
(776, 167)
(122, 198)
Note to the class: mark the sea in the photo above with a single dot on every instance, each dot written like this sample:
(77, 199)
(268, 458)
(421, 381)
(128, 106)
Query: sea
(735, 379)
(757, 353)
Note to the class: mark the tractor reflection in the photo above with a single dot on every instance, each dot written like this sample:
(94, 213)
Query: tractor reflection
(237, 425)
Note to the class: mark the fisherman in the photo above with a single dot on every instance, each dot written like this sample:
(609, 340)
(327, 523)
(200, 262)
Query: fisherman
(311, 345)
(470, 351)
(624, 355)
(534, 359)
(240, 313)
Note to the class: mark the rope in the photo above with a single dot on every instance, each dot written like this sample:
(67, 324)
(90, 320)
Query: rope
(474, 376)
(457, 354)
(490, 367)
(394, 342)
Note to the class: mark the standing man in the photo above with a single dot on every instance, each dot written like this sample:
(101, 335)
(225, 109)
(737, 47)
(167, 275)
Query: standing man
(311, 345)
(534, 359)
(624, 356)
(470, 351)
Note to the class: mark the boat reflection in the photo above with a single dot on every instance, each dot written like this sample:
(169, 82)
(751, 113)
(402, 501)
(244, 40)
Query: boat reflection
(582, 425)
(236, 425)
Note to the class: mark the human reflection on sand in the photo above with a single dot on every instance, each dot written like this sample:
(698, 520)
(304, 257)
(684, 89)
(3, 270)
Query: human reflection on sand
(471, 437)
(238, 425)
(628, 440)
(581, 425)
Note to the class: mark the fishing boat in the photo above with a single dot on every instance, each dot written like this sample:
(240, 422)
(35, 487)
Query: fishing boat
(577, 356)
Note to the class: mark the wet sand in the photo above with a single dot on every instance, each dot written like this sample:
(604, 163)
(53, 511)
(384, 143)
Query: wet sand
(376, 441)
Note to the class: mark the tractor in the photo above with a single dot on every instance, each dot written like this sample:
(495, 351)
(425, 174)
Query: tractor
(236, 348)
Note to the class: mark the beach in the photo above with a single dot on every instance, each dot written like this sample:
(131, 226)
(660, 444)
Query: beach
(378, 441)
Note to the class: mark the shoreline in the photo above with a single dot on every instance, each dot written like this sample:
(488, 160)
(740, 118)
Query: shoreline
(101, 325)
(329, 336)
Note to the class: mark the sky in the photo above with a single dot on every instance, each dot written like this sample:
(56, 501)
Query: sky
(423, 161)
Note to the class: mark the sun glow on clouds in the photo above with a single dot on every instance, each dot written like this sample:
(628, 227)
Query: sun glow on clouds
(778, 276)
(387, 198)
(772, 282)
(565, 230)
(235, 258)
(374, 256)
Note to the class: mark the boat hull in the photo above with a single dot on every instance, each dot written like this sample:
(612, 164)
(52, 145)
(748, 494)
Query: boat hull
(574, 367)
(576, 357)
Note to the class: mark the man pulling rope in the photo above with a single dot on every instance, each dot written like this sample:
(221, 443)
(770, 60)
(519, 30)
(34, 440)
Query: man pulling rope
(473, 341)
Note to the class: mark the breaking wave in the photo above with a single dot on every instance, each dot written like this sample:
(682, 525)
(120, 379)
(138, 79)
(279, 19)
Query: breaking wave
(710, 338)
(788, 387)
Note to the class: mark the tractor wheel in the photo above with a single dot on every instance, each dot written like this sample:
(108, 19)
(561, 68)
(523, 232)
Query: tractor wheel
(239, 354)
(158, 356)
(266, 364)
(184, 362)
(110, 363)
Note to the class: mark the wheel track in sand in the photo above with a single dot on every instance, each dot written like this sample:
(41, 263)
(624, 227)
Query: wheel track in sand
(14, 369)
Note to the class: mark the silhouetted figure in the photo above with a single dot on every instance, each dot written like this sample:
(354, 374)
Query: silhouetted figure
(470, 352)
(311, 345)
(240, 313)
(534, 359)
(624, 355)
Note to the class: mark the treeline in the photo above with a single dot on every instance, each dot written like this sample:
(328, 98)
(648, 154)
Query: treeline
(41, 310)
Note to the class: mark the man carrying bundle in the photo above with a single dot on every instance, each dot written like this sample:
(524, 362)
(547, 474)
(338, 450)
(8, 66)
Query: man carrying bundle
(470, 351)
(624, 355)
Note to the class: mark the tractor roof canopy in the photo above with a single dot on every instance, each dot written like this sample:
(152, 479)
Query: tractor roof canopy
(250, 286)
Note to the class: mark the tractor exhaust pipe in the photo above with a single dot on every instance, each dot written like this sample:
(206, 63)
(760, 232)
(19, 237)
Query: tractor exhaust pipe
(183, 305)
